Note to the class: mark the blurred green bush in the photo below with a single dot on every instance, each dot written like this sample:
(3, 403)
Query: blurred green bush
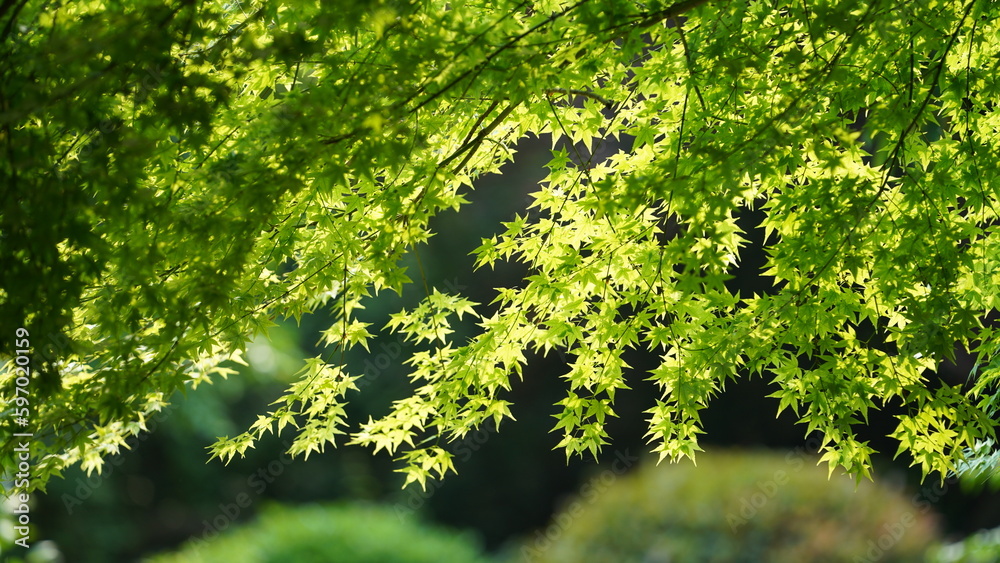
(11, 530)
(343, 533)
(734, 507)
(981, 547)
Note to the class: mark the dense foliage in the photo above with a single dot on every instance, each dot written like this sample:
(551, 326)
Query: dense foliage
(981, 547)
(177, 174)
(317, 534)
(734, 507)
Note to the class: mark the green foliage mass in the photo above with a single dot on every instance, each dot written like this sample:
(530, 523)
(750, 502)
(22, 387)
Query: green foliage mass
(981, 547)
(319, 534)
(177, 174)
(734, 507)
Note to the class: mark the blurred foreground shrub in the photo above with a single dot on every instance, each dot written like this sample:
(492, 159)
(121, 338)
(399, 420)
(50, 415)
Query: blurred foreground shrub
(14, 534)
(982, 547)
(331, 534)
(734, 507)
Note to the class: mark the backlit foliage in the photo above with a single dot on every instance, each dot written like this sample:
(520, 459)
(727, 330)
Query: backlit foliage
(177, 174)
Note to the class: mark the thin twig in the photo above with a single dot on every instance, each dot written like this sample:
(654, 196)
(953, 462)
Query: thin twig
(584, 93)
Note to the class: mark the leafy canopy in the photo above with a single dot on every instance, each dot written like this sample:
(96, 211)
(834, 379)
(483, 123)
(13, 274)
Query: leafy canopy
(177, 174)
